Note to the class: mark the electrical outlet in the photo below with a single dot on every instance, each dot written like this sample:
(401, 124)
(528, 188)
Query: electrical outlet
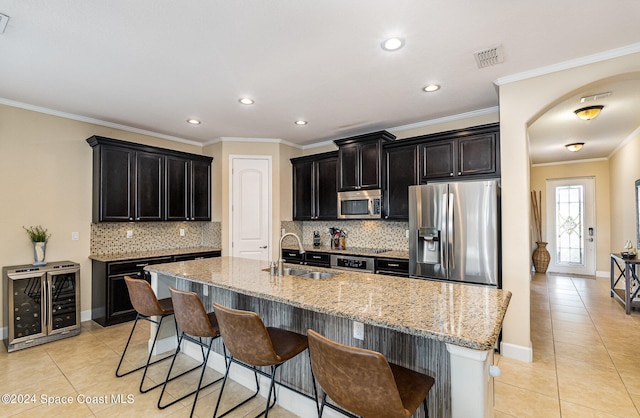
(407, 233)
(75, 236)
(129, 234)
(205, 290)
(358, 330)
(283, 232)
(182, 232)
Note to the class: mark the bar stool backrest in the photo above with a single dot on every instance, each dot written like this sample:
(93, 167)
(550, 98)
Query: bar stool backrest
(190, 314)
(142, 297)
(245, 336)
(356, 379)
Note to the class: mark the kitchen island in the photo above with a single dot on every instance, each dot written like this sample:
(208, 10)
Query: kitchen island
(446, 330)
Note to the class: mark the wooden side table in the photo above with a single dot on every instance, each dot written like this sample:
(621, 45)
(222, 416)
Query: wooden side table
(625, 268)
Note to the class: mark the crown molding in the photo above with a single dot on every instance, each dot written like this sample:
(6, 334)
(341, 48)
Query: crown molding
(589, 160)
(466, 115)
(93, 121)
(566, 65)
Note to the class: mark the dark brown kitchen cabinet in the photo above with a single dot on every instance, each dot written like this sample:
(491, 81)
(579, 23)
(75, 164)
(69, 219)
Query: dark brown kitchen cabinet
(460, 154)
(131, 185)
(360, 161)
(134, 182)
(400, 172)
(315, 187)
(110, 302)
(188, 189)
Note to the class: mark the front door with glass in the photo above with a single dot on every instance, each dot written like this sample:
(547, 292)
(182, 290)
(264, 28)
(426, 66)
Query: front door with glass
(571, 225)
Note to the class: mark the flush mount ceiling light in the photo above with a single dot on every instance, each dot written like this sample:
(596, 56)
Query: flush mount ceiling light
(392, 44)
(300, 122)
(575, 147)
(246, 101)
(194, 121)
(589, 112)
(431, 87)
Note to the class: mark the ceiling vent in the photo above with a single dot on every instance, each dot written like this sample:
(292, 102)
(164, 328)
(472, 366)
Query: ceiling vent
(489, 57)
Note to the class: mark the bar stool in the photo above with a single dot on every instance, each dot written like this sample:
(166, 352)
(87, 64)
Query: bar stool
(250, 343)
(195, 324)
(363, 382)
(147, 305)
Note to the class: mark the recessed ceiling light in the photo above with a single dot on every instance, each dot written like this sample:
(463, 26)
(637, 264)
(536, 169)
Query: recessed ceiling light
(300, 122)
(194, 121)
(392, 44)
(431, 87)
(246, 101)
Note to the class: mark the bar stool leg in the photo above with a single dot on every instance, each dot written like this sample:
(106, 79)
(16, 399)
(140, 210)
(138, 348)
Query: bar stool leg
(224, 382)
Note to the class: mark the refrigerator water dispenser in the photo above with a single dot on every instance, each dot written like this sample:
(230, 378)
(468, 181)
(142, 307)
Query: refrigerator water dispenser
(429, 245)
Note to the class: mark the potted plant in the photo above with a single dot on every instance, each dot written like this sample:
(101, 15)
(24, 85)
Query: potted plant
(39, 237)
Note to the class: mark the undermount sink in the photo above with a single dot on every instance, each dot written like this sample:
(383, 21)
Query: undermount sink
(317, 275)
(289, 271)
(307, 274)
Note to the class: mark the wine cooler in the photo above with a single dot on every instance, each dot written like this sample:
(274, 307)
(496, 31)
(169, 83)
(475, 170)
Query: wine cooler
(42, 304)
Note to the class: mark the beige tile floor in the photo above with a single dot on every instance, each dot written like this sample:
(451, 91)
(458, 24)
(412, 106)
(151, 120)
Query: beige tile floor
(584, 366)
(585, 355)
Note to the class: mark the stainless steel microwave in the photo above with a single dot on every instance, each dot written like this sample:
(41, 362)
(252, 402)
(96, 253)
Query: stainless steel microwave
(361, 204)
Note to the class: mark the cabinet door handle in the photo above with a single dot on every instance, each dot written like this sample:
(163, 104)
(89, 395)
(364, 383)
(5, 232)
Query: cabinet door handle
(142, 265)
(263, 247)
(393, 265)
(459, 172)
(451, 174)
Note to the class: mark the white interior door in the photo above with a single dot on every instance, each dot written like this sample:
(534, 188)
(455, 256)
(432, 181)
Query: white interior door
(250, 206)
(571, 225)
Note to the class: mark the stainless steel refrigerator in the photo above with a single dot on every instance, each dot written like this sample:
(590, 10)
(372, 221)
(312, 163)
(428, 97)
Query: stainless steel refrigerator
(454, 232)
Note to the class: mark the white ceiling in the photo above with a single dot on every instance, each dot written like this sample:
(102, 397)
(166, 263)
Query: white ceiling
(152, 64)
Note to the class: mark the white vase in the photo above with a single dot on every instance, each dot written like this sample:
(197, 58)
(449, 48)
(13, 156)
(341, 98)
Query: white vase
(39, 251)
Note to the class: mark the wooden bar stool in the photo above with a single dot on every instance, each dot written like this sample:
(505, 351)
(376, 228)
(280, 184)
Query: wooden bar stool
(196, 324)
(147, 305)
(250, 343)
(363, 382)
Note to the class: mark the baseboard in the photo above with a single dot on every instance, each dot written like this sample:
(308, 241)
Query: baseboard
(3, 333)
(517, 352)
(85, 316)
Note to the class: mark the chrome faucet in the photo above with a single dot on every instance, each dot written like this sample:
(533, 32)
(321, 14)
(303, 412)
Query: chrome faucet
(280, 269)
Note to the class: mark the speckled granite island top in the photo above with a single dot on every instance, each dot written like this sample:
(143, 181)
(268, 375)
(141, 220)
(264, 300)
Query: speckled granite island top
(465, 315)
(150, 254)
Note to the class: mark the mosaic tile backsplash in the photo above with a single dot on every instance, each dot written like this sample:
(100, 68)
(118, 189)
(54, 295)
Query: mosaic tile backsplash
(361, 234)
(111, 238)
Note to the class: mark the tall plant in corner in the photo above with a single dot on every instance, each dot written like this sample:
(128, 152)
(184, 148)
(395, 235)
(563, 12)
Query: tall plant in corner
(39, 237)
(540, 256)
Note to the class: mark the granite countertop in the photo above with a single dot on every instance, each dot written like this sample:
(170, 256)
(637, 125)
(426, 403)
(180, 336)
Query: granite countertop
(466, 315)
(352, 251)
(105, 258)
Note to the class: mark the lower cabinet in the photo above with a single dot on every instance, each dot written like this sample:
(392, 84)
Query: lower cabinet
(392, 267)
(110, 303)
(317, 259)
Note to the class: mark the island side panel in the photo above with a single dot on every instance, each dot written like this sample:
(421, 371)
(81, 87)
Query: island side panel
(421, 354)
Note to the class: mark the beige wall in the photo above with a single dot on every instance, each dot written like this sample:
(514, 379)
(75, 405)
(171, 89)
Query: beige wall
(624, 171)
(45, 179)
(600, 171)
(520, 103)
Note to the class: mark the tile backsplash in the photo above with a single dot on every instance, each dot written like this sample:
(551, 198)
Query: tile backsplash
(361, 234)
(111, 237)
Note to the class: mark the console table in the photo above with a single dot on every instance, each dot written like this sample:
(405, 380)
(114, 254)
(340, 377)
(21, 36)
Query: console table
(625, 268)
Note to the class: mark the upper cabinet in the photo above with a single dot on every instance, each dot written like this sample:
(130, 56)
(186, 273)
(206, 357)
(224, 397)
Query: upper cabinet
(315, 195)
(133, 182)
(188, 196)
(400, 163)
(457, 154)
(360, 161)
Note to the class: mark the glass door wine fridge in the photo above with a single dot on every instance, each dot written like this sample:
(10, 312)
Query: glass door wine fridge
(42, 304)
